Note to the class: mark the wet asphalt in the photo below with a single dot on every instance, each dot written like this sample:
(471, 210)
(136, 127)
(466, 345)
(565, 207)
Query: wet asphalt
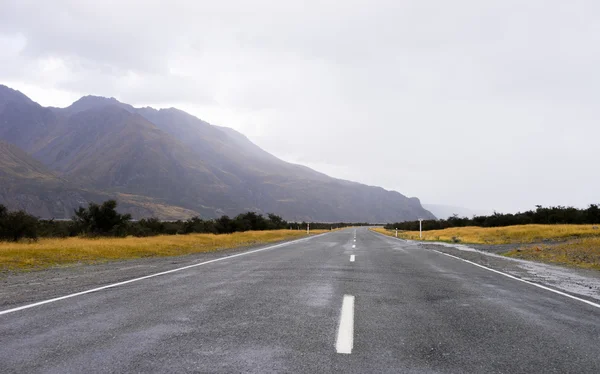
(278, 310)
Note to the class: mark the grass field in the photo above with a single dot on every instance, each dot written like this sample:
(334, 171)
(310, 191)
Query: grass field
(579, 252)
(502, 235)
(577, 245)
(51, 252)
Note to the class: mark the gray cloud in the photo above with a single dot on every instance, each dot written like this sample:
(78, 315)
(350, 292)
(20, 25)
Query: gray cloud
(480, 104)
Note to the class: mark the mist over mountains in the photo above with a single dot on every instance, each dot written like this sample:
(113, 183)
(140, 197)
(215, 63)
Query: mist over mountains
(164, 163)
(446, 211)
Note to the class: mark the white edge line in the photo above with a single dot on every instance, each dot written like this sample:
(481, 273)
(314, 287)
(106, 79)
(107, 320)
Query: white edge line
(151, 276)
(523, 280)
(345, 337)
(508, 275)
(351, 258)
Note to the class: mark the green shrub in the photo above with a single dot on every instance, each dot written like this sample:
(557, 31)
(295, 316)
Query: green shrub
(17, 225)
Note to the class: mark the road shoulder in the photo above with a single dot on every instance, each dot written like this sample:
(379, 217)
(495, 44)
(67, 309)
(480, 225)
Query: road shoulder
(578, 282)
(22, 287)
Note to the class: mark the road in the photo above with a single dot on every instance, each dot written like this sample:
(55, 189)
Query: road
(306, 307)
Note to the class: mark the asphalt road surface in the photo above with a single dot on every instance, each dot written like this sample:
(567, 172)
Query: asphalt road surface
(306, 307)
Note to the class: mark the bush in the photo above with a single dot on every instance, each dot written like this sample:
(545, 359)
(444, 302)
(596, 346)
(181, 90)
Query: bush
(542, 215)
(101, 220)
(56, 229)
(17, 225)
(104, 220)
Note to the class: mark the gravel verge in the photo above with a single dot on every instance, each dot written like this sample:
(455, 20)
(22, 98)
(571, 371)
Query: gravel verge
(583, 283)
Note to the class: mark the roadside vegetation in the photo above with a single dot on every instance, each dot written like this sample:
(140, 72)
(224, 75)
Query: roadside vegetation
(103, 220)
(47, 252)
(518, 234)
(574, 245)
(100, 233)
(541, 215)
(583, 252)
(564, 235)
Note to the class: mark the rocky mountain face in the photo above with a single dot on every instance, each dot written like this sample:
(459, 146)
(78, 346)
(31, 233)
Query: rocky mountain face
(165, 163)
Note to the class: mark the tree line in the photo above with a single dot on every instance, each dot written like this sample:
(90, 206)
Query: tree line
(541, 215)
(104, 220)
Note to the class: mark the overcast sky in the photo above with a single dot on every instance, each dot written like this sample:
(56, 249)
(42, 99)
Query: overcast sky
(482, 104)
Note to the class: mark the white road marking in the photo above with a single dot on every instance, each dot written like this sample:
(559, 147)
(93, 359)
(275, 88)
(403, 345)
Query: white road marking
(523, 280)
(354, 246)
(152, 276)
(345, 337)
(507, 275)
(352, 258)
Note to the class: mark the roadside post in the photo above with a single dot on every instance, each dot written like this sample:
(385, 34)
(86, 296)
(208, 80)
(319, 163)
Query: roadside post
(308, 228)
(420, 228)
(396, 233)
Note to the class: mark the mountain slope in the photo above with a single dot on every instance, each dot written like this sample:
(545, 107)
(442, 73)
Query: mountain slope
(272, 185)
(176, 159)
(23, 122)
(26, 184)
(15, 164)
(112, 149)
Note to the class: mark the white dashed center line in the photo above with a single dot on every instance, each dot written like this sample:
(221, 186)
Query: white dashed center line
(345, 337)
(352, 258)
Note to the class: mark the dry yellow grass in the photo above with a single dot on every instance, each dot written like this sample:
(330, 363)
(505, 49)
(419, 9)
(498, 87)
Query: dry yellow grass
(51, 252)
(502, 235)
(580, 252)
(577, 245)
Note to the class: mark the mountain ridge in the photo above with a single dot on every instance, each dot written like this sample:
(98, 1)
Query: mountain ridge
(175, 158)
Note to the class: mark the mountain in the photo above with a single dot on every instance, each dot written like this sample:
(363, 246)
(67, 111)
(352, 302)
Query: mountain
(112, 149)
(446, 211)
(167, 160)
(18, 165)
(27, 184)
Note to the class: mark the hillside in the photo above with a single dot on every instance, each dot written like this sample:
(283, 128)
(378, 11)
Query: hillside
(27, 184)
(15, 164)
(172, 158)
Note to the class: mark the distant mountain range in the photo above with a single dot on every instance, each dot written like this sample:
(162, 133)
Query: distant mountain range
(164, 163)
(447, 211)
